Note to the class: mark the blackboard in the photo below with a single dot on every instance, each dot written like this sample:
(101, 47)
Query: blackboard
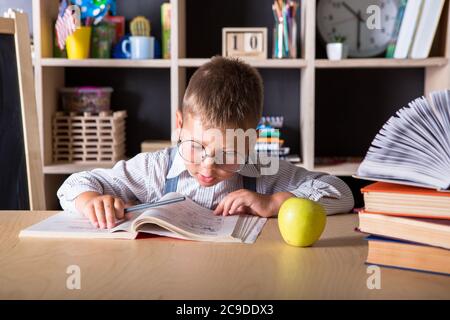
(13, 169)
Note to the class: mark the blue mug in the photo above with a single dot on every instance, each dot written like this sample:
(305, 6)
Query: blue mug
(118, 53)
(140, 47)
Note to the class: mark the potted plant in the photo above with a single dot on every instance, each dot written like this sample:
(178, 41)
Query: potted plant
(337, 49)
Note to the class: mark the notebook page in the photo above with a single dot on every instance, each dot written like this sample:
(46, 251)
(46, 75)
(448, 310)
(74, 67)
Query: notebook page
(70, 225)
(191, 217)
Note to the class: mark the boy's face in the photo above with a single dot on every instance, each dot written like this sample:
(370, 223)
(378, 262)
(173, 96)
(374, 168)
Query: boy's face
(216, 146)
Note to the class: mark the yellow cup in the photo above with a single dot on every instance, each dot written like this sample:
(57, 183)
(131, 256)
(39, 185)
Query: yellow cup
(78, 43)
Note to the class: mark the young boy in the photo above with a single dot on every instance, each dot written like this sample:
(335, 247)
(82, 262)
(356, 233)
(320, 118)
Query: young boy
(222, 94)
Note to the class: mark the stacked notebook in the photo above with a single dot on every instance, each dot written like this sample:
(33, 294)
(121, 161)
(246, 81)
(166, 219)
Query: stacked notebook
(416, 25)
(407, 211)
(270, 142)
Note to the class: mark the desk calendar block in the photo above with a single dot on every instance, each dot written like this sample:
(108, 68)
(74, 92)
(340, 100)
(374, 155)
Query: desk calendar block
(244, 42)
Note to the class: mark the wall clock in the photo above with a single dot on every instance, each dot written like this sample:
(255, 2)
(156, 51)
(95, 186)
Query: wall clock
(348, 18)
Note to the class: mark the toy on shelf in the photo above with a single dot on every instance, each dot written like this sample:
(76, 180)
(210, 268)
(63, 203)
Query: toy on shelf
(74, 24)
(89, 137)
(140, 27)
(140, 45)
(95, 9)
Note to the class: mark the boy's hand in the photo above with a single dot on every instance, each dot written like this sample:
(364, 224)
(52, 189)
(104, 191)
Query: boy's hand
(101, 210)
(245, 201)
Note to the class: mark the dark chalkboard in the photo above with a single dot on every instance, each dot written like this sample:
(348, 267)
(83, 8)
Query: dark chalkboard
(13, 173)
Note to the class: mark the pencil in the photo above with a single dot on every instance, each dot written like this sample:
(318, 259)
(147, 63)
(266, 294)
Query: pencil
(153, 204)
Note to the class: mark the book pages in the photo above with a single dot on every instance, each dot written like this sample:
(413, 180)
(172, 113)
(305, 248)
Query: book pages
(414, 145)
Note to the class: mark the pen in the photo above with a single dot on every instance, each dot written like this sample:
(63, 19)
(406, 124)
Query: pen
(153, 204)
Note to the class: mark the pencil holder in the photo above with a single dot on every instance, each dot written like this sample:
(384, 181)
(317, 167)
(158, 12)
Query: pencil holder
(78, 43)
(284, 40)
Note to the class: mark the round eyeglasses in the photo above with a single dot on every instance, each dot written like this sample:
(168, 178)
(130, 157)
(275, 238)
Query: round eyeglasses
(194, 152)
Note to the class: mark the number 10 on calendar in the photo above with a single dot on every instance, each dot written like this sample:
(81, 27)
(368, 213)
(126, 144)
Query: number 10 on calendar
(244, 42)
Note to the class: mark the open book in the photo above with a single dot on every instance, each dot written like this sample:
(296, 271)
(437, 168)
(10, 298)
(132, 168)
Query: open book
(184, 220)
(413, 147)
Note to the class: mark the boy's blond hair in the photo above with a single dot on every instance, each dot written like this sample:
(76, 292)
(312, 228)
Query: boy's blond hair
(225, 92)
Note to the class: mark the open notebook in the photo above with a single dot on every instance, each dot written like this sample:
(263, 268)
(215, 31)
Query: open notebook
(184, 220)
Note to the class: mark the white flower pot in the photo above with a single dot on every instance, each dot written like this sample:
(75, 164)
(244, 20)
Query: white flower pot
(337, 51)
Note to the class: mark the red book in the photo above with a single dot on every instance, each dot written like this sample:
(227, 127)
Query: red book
(401, 200)
(119, 22)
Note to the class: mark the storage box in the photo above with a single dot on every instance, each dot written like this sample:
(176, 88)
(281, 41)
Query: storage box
(86, 99)
(89, 138)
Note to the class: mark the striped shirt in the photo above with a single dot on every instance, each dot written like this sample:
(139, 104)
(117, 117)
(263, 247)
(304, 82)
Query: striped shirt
(142, 179)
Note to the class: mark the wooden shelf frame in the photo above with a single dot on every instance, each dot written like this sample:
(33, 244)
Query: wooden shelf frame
(106, 63)
(69, 168)
(267, 63)
(49, 76)
(382, 63)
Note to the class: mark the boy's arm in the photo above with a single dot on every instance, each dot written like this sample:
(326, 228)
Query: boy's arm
(128, 180)
(288, 181)
(328, 190)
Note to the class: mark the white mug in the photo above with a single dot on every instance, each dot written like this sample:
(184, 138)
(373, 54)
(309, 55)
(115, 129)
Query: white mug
(141, 47)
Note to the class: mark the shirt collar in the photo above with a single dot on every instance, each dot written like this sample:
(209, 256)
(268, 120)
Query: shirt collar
(178, 167)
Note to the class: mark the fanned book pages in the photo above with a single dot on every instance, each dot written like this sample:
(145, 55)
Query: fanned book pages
(183, 220)
(413, 147)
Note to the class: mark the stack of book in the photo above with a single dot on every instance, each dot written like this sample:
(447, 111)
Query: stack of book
(409, 227)
(415, 28)
(269, 141)
(407, 211)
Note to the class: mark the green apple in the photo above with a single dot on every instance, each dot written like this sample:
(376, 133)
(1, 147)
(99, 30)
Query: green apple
(301, 221)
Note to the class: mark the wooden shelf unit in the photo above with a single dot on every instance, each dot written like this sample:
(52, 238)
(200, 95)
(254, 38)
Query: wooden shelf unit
(49, 76)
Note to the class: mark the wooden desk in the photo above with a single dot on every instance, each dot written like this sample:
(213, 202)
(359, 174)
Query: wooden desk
(158, 268)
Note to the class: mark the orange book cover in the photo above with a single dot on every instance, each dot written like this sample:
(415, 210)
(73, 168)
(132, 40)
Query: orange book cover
(399, 188)
(270, 140)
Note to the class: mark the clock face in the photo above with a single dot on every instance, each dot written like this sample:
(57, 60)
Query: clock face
(349, 18)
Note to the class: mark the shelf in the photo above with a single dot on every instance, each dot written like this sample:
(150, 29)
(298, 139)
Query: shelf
(258, 63)
(106, 63)
(382, 63)
(266, 63)
(69, 168)
(164, 63)
(340, 169)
